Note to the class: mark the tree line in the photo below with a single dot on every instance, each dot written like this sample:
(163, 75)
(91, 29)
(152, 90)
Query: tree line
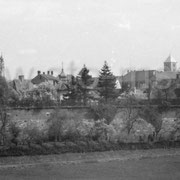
(81, 90)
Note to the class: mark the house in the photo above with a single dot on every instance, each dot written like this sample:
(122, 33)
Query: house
(42, 77)
(21, 85)
(60, 82)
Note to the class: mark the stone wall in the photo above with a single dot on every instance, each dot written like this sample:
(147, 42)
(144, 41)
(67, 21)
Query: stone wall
(38, 116)
(141, 128)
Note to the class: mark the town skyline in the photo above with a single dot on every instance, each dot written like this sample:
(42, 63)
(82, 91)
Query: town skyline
(73, 69)
(137, 34)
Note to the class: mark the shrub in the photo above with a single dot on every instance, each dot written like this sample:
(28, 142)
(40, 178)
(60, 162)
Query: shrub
(48, 145)
(102, 131)
(31, 134)
(153, 116)
(78, 129)
(62, 125)
(4, 122)
(60, 145)
(93, 146)
(71, 146)
(14, 131)
(102, 111)
(56, 122)
(85, 128)
(105, 145)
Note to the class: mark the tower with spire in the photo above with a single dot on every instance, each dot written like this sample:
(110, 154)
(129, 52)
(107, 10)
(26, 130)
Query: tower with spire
(170, 64)
(1, 65)
(62, 75)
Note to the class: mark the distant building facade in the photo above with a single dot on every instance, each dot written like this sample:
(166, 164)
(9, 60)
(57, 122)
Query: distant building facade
(139, 79)
(142, 79)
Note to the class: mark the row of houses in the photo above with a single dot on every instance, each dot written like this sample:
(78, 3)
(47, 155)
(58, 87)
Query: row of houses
(61, 82)
(136, 80)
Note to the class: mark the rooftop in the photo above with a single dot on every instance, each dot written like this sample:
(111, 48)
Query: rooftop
(48, 76)
(170, 59)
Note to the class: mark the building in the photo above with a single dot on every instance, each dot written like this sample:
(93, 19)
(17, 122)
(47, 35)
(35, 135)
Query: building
(139, 79)
(62, 77)
(43, 77)
(21, 85)
(144, 78)
(170, 64)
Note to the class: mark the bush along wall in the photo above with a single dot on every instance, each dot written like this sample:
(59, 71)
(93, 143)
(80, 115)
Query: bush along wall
(65, 131)
(80, 147)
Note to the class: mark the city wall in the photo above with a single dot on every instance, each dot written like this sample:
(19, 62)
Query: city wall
(39, 118)
(42, 115)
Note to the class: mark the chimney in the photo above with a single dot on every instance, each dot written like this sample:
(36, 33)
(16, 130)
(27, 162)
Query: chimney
(48, 72)
(39, 72)
(21, 78)
(52, 73)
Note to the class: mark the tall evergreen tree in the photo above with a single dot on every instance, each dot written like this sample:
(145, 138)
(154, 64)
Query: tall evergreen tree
(78, 91)
(84, 81)
(4, 92)
(107, 83)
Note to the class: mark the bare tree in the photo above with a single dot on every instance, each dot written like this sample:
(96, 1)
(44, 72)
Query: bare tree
(130, 111)
(152, 115)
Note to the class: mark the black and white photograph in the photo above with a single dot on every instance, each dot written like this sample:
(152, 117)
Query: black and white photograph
(89, 89)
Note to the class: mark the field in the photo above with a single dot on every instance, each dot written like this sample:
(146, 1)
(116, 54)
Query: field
(126, 165)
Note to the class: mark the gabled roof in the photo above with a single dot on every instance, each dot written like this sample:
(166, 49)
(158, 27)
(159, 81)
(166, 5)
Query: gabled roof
(118, 84)
(49, 77)
(61, 86)
(42, 78)
(21, 86)
(170, 59)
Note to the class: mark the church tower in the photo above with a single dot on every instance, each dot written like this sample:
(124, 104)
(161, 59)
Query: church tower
(1, 65)
(170, 64)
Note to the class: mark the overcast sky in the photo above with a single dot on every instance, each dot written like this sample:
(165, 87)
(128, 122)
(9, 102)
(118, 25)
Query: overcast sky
(41, 34)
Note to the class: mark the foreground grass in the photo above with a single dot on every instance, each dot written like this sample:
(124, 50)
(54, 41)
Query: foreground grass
(76, 158)
(126, 165)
